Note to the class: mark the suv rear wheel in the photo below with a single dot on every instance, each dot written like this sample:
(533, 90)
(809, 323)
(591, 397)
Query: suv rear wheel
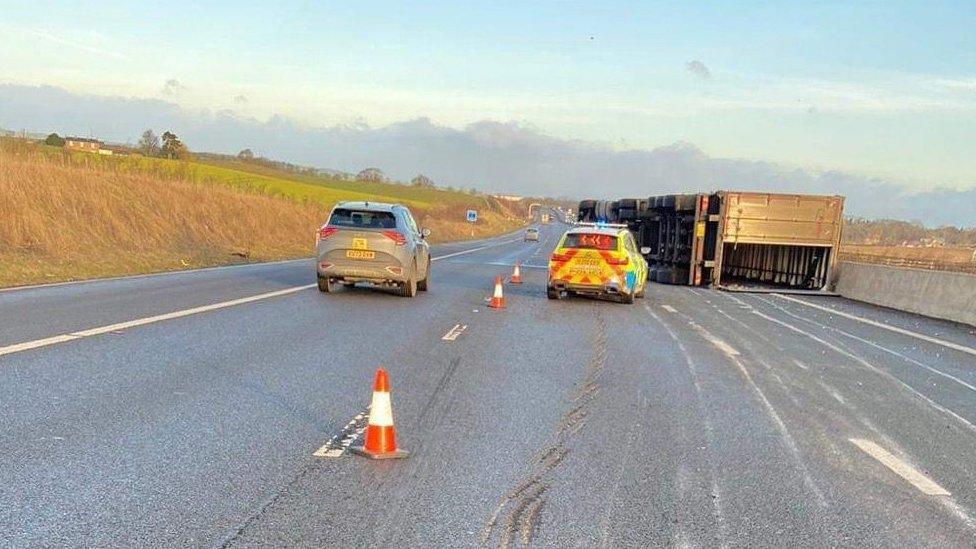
(422, 285)
(627, 298)
(325, 285)
(409, 287)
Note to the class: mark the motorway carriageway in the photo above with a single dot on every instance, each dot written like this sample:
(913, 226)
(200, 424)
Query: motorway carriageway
(186, 409)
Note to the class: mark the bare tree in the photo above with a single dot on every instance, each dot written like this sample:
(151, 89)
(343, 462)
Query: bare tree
(149, 143)
(246, 154)
(371, 175)
(422, 181)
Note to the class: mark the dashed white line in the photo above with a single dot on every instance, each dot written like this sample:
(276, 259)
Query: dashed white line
(669, 308)
(875, 323)
(900, 468)
(721, 345)
(454, 332)
(338, 444)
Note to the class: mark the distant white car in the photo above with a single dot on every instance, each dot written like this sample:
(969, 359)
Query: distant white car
(531, 234)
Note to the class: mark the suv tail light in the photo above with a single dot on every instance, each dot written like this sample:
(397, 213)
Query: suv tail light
(325, 232)
(396, 236)
(615, 261)
(560, 258)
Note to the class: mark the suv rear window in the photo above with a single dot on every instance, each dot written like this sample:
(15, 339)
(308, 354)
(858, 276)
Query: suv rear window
(591, 241)
(366, 219)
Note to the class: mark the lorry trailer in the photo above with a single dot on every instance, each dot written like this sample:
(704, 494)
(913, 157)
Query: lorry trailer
(731, 239)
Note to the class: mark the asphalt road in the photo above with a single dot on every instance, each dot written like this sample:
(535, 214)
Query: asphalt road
(184, 410)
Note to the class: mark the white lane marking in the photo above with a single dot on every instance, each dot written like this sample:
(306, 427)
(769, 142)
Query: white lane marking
(876, 346)
(669, 308)
(338, 444)
(717, 492)
(870, 366)
(882, 325)
(472, 250)
(900, 468)
(309, 259)
(800, 365)
(18, 347)
(147, 320)
(454, 332)
(721, 345)
(784, 432)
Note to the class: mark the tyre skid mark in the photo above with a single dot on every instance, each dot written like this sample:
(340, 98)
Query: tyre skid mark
(525, 502)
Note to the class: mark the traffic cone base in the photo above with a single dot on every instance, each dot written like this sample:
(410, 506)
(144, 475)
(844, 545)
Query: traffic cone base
(361, 451)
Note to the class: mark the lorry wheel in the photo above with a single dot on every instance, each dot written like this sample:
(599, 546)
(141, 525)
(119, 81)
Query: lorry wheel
(553, 293)
(325, 285)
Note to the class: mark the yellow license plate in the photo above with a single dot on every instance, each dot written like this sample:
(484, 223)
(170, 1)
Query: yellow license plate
(585, 270)
(360, 254)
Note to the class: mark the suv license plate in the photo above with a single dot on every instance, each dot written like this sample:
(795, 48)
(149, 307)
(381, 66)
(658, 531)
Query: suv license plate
(360, 254)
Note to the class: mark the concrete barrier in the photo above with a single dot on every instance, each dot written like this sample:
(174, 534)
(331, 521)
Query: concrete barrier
(939, 294)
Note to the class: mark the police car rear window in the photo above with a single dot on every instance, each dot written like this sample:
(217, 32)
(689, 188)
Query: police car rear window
(366, 219)
(591, 241)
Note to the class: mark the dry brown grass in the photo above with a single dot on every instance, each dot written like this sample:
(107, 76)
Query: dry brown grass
(941, 258)
(64, 221)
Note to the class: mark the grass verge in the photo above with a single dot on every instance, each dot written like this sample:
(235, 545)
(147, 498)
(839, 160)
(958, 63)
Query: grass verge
(78, 216)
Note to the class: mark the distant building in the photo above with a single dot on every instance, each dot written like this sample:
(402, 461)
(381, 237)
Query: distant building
(83, 144)
(114, 150)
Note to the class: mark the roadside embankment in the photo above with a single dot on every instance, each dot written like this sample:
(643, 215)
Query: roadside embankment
(64, 218)
(938, 294)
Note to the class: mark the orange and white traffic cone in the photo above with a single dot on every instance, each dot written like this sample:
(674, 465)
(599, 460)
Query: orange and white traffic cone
(497, 299)
(380, 442)
(516, 277)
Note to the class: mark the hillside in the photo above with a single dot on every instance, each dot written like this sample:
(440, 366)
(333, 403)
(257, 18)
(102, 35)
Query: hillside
(75, 216)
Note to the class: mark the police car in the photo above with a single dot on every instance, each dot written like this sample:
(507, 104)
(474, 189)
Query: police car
(597, 259)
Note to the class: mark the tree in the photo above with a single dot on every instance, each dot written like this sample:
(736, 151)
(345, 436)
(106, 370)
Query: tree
(246, 154)
(149, 143)
(173, 147)
(422, 181)
(371, 175)
(54, 140)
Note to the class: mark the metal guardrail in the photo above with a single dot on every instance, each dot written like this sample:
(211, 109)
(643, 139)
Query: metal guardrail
(910, 263)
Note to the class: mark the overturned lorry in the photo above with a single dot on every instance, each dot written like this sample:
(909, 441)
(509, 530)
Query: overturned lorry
(735, 240)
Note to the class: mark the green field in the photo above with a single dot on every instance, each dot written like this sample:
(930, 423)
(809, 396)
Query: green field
(254, 177)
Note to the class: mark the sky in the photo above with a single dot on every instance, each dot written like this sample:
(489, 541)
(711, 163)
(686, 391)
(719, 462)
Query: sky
(877, 89)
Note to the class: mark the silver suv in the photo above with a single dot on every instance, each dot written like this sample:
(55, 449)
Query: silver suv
(375, 243)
